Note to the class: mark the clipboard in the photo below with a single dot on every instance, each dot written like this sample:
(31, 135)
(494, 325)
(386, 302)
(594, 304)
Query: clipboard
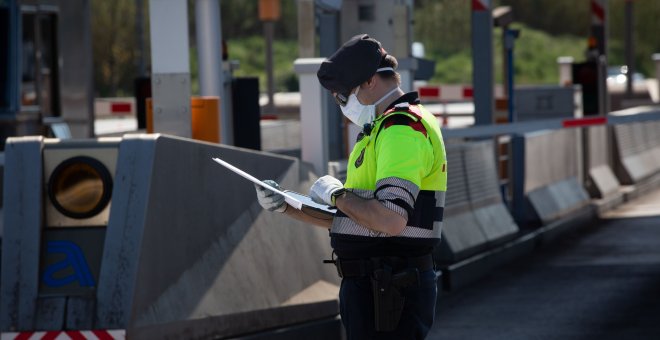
(297, 200)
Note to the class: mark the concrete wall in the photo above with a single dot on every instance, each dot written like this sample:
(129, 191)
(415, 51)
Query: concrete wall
(186, 244)
(195, 243)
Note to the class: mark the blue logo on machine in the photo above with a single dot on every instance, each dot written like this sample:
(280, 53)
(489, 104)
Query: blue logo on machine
(73, 267)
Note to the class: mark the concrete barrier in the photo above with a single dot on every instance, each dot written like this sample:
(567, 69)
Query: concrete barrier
(601, 182)
(20, 252)
(186, 243)
(485, 195)
(475, 217)
(461, 234)
(637, 152)
(546, 184)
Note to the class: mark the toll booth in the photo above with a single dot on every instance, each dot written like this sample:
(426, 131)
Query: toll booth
(45, 69)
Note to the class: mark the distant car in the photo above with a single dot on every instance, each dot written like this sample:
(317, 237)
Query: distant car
(619, 75)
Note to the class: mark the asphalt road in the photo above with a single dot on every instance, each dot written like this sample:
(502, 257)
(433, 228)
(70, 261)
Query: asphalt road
(602, 282)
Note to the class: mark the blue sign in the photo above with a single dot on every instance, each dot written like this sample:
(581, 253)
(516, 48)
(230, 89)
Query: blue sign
(74, 259)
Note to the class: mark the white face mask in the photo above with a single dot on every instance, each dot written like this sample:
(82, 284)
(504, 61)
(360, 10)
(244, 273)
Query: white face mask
(359, 113)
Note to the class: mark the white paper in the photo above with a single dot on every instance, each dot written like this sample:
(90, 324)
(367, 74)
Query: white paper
(294, 199)
(307, 201)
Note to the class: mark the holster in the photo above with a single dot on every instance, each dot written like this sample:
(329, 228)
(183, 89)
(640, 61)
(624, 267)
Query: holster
(388, 295)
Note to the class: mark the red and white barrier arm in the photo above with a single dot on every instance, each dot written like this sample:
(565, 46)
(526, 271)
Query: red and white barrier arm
(445, 93)
(114, 106)
(448, 93)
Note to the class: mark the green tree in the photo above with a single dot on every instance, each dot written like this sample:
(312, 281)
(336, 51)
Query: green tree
(114, 47)
(443, 26)
(571, 17)
(646, 37)
(555, 17)
(550, 28)
(240, 19)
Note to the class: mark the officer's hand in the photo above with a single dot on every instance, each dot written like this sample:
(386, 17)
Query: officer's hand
(270, 200)
(321, 191)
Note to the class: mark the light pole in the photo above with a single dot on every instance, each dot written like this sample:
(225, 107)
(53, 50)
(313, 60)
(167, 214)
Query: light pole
(269, 12)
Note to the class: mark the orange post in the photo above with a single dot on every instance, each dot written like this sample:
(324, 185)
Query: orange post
(269, 10)
(150, 116)
(205, 118)
(501, 111)
(205, 112)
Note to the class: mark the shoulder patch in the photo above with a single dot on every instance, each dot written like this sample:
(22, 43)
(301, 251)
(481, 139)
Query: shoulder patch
(403, 119)
(412, 110)
(403, 114)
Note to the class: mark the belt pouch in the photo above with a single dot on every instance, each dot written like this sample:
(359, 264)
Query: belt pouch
(388, 301)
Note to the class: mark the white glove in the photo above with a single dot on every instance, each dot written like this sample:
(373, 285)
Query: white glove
(322, 190)
(269, 199)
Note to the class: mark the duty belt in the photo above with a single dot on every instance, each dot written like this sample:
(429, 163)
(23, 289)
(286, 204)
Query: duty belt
(365, 267)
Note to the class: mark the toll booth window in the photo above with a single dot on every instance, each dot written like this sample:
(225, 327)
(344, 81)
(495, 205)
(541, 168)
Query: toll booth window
(39, 63)
(28, 62)
(4, 57)
(48, 46)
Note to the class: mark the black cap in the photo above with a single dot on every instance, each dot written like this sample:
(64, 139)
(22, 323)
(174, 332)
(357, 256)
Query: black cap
(354, 63)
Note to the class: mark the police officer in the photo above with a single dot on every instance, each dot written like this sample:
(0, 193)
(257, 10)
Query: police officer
(389, 211)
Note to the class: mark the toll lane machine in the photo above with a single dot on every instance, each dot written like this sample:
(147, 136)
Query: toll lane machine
(54, 258)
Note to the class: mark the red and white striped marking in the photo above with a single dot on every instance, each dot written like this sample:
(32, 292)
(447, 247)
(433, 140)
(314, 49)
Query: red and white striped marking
(444, 93)
(114, 106)
(117, 334)
(582, 122)
(598, 11)
(480, 5)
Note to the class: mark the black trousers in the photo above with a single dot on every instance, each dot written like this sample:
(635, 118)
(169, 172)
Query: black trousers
(356, 305)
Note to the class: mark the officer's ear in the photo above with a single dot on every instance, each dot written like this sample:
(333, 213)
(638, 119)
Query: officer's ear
(371, 82)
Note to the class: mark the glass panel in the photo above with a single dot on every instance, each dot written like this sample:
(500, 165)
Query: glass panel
(29, 62)
(48, 65)
(39, 63)
(4, 56)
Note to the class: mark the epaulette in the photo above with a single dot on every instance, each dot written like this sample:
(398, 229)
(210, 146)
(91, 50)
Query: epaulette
(405, 107)
(411, 116)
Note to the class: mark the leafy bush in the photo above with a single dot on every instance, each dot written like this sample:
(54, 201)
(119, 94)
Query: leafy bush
(251, 54)
(535, 58)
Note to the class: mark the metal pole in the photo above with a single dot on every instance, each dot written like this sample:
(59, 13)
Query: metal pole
(508, 46)
(328, 43)
(603, 108)
(630, 49)
(139, 30)
(170, 62)
(656, 61)
(599, 23)
(268, 33)
(306, 29)
(313, 117)
(505, 64)
(565, 70)
(209, 50)
(482, 61)
(599, 30)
